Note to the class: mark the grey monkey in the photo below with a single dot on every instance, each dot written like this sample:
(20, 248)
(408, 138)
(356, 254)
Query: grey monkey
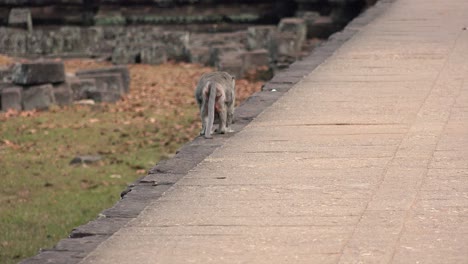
(216, 95)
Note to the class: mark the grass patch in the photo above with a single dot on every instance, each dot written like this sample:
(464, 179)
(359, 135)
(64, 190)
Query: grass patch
(43, 197)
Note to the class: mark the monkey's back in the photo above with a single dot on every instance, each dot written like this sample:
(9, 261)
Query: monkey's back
(222, 78)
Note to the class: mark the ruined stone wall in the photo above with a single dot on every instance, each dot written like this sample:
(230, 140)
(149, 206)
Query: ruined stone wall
(158, 30)
(163, 12)
(38, 84)
(239, 37)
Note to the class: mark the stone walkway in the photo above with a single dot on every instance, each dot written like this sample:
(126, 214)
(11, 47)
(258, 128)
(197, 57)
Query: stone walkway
(363, 161)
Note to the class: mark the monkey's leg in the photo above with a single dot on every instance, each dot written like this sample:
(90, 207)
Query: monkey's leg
(222, 118)
(230, 116)
(203, 117)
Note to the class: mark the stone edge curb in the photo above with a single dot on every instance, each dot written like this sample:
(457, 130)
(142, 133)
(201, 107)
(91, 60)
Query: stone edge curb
(85, 238)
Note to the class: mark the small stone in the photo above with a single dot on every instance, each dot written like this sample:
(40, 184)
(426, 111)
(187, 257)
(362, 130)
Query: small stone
(87, 159)
(85, 102)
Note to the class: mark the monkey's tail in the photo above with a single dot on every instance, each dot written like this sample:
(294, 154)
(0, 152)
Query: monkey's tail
(211, 109)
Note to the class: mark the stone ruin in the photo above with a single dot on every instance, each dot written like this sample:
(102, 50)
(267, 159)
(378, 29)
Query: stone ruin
(236, 52)
(235, 36)
(39, 84)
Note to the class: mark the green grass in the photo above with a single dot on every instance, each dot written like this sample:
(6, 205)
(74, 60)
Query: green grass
(43, 197)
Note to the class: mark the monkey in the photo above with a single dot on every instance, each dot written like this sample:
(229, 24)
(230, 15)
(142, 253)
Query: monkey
(215, 94)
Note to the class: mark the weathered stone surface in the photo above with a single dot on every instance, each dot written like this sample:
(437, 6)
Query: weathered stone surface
(21, 18)
(39, 72)
(36, 42)
(13, 41)
(93, 37)
(255, 59)
(200, 55)
(125, 54)
(217, 51)
(80, 87)
(260, 37)
(295, 27)
(50, 42)
(100, 226)
(177, 43)
(153, 54)
(231, 63)
(72, 41)
(5, 74)
(38, 97)
(63, 94)
(11, 98)
(122, 70)
(109, 87)
(285, 47)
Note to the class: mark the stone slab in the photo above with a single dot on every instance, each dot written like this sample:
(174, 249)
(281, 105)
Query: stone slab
(38, 97)
(38, 72)
(119, 69)
(11, 98)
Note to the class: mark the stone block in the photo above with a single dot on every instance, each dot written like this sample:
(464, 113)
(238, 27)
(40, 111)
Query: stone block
(109, 87)
(231, 63)
(11, 98)
(217, 51)
(5, 74)
(20, 18)
(122, 70)
(63, 94)
(259, 37)
(72, 41)
(39, 72)
(80, 87)
(310, 19)
(294, 26)
(93, 38)
(13, 41)
(177, 43)
(153, 54)
(38, 97)
(200, 55)
(39, 42)
(285, 47)
(125, 54)
(255, 59)
(55, 43)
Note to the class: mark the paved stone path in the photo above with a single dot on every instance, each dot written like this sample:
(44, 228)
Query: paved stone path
(363, 161)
